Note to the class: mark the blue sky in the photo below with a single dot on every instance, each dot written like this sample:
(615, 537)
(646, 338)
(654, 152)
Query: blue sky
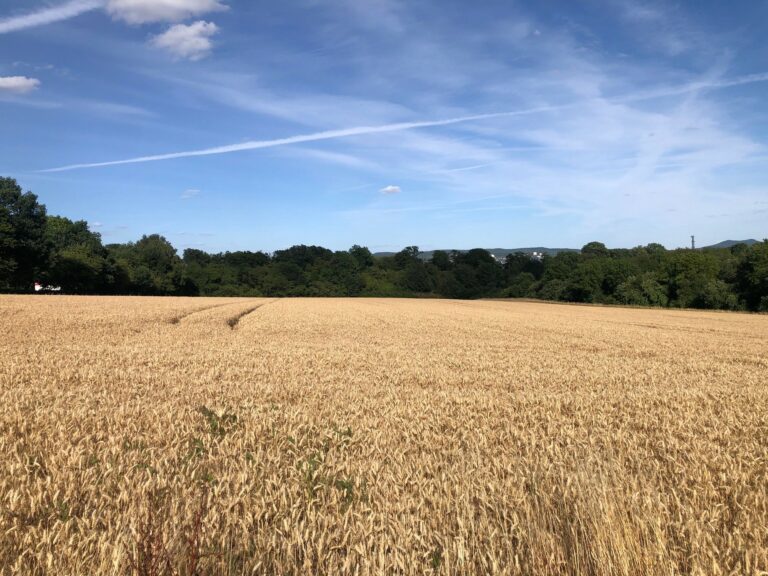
(389, 123)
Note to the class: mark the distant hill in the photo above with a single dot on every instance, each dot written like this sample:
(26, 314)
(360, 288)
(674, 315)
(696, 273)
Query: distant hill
(499, 253)
(730, 243)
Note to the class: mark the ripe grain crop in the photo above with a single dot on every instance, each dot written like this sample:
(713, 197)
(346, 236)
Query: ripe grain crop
(322, 436)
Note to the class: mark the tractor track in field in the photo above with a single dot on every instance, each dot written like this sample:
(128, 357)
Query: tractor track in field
(180, 317)
(234, 321)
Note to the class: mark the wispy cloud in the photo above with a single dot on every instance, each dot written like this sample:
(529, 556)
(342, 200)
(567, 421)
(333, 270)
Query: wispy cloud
(338, 158)
(385, 15)
(190, 193)
(405, 126)
(37, 67)
(319, 110)
(317, 136)
(145, 11)
(391, 189)
(48, 15)
(17, 84)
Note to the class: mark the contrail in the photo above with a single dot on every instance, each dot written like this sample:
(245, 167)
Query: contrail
(326, 135)
(402, 126)
(49, 15)
(695, 87)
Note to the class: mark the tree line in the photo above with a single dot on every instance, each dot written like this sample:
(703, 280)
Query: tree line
(38, 247)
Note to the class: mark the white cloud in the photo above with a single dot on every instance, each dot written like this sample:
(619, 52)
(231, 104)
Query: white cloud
(191, 41)
(391, 189)
(189, 193)
(17, 84)
(48, 15)
(144, 11)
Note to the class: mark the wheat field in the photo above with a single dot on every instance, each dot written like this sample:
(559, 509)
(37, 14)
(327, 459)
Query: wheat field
(152, 436)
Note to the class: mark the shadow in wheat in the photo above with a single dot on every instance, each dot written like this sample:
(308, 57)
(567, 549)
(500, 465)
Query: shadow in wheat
(235, 320)
(179, 318)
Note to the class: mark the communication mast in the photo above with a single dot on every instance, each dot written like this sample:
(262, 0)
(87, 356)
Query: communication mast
(693, 243)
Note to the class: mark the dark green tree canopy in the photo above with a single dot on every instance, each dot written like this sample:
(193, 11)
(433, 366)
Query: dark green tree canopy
(362, 256)
(406, 256)
(23, 249)
(441, 260)
(597, 249)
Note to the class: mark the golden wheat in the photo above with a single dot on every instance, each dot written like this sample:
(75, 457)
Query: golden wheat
(254, 436)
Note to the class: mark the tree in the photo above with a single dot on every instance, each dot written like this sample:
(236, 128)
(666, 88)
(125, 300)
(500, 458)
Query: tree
(595, 249)
(156, 253)
(23, 250)
(406, 256)
(417, 278)
(688, 273)
(338, 275)
(475, 257)
(642, 290)
(78, 261)
(752, 277)
(194, 256)
(153, 266)
(78, 269)
(519, 262)
(362, 256)
(520, 285)
(560, 266)
(461, 282)
(616, 271)
(584, 284)
(555, 289)
(441, 260)
(7, 245)
(61, 233)
(301, 255)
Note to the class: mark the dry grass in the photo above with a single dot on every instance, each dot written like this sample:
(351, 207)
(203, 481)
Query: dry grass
(247, 436)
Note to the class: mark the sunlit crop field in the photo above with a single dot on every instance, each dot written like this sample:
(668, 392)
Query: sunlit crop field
(339, 436)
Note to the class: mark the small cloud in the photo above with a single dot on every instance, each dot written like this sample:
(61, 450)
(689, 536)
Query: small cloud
(192, 41)
(145, 11)
(391, 190)
(189, 193)
(96, 224)
(18, 84)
